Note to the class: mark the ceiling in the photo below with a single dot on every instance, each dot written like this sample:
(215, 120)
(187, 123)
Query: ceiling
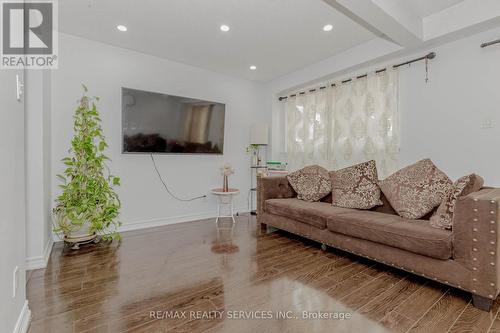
(277, 36)
(423, 8)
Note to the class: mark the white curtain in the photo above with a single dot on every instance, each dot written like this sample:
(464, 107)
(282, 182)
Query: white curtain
(347, 124)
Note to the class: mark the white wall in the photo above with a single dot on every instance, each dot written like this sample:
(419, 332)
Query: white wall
(105, 69)
(14, 312)
(38, 172)
(441, 119)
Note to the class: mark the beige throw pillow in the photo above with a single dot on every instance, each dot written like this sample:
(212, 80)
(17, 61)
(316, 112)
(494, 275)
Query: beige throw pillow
(416, 190)
(443, 218)
(311, 183)
(356, 186)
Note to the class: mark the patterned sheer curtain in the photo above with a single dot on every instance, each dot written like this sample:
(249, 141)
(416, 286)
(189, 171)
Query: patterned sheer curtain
(347, 124)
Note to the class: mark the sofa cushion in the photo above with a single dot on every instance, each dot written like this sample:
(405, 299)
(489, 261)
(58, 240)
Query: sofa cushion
(384, 208)
(311, 183)
(415, 236)
(416, 190)
(356, 186)
(312, 213)
(443, 218)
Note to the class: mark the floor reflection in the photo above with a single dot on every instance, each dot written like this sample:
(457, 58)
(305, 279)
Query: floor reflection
(224, 241)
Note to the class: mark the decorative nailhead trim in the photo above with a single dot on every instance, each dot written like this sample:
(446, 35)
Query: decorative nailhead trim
(474, 249)
(490, 296)
(492, 231)
(492, 284)
(492, 243)
(493, 201)
(492, 263)
(475, 229)
(492, 212)
(474, 290)
(492, 222)
(475, 259)
(392, 264)
(475, 199)
(474, 239)
(475, 209)
(475, 220)
(492, 253)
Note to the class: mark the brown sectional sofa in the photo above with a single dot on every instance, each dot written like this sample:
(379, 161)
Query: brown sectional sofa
(464, 258)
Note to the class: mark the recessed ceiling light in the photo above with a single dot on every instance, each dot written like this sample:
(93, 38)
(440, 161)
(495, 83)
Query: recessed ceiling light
(253, 67)
(328, 27)
(224, 28)
(121, 27)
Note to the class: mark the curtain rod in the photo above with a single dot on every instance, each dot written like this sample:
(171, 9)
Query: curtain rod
(431, 55)
(490, 43)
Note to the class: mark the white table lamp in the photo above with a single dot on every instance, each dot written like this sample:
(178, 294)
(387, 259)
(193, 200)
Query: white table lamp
(259, 134)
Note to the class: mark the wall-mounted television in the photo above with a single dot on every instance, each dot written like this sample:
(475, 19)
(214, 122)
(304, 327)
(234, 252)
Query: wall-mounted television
(168, 124)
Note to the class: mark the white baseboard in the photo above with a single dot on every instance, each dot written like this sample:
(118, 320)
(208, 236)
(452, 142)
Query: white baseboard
(159, 222)
(41, 261)
(23, 321)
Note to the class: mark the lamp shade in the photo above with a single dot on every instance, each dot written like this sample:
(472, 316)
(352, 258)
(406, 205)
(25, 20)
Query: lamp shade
(259, 134)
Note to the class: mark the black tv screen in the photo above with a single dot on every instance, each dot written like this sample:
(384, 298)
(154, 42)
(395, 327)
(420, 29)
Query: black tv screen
(159, 123)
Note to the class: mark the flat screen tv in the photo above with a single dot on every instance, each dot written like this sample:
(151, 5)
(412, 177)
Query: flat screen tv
(159, 123)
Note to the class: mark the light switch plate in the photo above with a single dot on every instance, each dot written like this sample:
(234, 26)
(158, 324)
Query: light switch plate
(19, 88)
(487, 123)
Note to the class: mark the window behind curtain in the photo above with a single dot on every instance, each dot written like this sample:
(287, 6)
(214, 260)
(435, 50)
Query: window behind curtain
(347, 124)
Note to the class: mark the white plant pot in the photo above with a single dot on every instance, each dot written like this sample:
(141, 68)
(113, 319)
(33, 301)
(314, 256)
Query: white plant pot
(77, 236)
(81, 234)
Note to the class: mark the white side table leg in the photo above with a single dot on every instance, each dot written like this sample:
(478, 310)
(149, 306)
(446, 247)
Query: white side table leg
(219, 203)
(232, 213)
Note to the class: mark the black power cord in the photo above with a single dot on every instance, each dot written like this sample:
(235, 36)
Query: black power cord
(166, 187)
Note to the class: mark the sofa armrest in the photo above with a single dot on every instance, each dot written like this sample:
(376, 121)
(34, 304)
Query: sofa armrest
(272, 188)
(476, 239)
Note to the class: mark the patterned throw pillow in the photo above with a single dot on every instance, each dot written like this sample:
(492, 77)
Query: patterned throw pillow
(356, 186)
(416, 190)
(311, 183)
(443, 218)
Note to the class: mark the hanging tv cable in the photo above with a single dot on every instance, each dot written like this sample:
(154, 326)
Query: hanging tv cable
(166, 187)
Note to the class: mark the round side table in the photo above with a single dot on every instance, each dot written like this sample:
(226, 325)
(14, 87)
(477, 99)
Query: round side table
(225, 199)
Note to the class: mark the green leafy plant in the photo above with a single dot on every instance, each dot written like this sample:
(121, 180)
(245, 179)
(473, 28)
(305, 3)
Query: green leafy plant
(252, 148)
(88, 198)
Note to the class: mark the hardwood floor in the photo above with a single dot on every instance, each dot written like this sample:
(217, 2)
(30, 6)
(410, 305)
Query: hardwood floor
(194, 271)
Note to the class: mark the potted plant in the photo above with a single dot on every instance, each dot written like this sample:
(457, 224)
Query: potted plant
(88, 207)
